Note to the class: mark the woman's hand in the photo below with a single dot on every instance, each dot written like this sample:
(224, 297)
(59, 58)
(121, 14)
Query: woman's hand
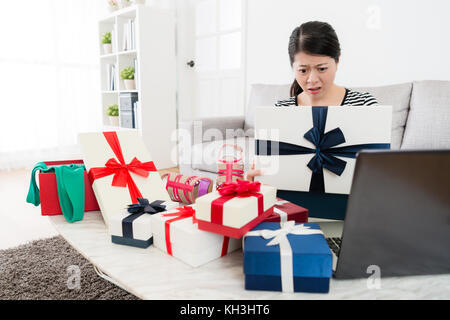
(252, 173)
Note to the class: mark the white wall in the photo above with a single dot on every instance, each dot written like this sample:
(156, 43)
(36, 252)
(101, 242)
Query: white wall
(382, 42)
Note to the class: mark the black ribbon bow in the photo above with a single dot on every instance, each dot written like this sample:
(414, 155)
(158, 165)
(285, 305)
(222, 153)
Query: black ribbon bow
(325, 152)
(144, 206)
(138, 209)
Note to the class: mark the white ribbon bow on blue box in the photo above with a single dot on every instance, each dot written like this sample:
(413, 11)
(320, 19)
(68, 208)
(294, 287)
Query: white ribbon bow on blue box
(279, 237)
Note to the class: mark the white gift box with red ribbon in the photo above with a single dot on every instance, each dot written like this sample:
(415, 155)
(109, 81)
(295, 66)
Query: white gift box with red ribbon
(235, 213)
(120, 169)
(175, 232)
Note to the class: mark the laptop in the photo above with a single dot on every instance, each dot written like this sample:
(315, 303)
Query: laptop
(398, 216)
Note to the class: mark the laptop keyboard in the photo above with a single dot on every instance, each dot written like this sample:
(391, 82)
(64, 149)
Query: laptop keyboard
(335, 245)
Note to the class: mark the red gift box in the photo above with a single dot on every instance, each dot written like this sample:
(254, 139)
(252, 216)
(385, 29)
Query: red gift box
(290, 211)
(233, 232)
(49, 192)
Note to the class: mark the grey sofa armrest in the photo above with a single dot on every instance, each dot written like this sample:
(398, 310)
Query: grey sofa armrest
(210, 129)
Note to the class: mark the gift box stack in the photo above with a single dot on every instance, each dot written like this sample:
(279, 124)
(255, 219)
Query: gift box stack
(280, 251)
(309, 161)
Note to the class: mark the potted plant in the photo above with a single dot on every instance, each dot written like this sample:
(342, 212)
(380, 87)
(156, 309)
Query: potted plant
(113, 114)
(106, 42)
(113, 5)
(127, 75)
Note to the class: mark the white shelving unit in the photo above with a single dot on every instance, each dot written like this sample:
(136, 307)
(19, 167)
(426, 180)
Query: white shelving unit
(156, 84)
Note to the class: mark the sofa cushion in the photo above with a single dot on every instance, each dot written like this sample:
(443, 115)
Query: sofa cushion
(204, 155)
(398, 96)
(263, 95)
(428, 124)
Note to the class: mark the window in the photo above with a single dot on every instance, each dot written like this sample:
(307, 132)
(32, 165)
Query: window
(219, 53)
(50, 78)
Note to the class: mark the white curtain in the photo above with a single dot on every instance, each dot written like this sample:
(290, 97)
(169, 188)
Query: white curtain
(49, 78)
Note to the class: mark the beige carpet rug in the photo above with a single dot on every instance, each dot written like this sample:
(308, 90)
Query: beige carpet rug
(52, 269)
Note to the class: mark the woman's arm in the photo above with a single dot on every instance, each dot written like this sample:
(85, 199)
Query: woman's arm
(252, 173)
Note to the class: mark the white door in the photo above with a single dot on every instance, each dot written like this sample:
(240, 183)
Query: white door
(210, 57)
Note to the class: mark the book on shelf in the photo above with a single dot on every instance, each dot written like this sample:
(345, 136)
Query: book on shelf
(136, 78)
(124, 39)
(135, 115)
(130, 47)
(128, 42)
(132, 35)
(110, 77)
(113, 42)
(128, 109)
(113, 81)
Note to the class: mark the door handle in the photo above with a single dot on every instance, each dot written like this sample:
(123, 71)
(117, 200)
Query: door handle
(191, 63)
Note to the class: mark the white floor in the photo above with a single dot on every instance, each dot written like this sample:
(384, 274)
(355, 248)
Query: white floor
(20, 222)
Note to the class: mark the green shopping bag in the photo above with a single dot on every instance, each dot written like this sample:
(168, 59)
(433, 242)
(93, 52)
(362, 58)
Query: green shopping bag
(70, 185)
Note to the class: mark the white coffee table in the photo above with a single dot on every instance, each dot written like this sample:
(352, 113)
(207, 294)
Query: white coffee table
(152, 274)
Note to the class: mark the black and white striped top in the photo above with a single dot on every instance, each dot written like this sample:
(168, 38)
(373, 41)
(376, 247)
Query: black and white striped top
(351, 98)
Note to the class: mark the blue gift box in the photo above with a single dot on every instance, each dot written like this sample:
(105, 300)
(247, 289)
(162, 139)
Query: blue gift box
(311, 261)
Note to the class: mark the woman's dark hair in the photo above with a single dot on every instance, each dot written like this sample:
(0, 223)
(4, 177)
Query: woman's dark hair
(315, 38)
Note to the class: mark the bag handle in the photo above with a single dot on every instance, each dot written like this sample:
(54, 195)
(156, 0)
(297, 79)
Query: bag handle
(61, 162)
(234, 146)
(33, 195)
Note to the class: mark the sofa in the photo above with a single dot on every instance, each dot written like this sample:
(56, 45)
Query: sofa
(420, 120)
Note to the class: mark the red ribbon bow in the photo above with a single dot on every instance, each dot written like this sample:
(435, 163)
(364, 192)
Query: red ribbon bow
(240, 188)
(184, 213)
(121, 170)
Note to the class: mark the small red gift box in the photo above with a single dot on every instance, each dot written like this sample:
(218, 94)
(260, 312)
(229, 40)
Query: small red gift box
(284, 211)
(49, 192)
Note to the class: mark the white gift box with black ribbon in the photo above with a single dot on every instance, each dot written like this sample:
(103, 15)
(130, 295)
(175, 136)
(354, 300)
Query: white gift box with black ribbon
(315, 147)
(135, 229)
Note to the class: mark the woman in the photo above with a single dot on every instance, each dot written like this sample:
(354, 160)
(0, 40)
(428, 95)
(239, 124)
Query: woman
(314, 53)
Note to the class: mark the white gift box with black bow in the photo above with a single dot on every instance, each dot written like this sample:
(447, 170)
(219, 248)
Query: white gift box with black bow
(135, 229)
(317, 146)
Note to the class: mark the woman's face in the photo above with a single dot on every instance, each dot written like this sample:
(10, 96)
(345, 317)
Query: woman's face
(314, 74)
